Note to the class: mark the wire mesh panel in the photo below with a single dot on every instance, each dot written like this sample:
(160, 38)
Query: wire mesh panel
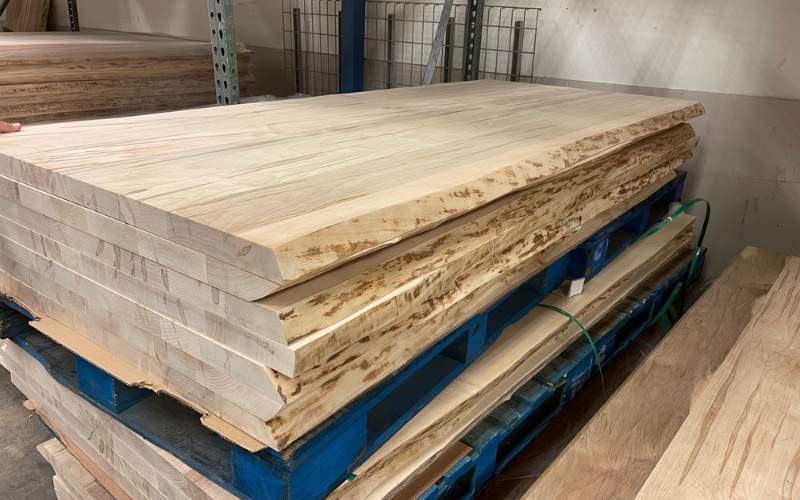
(311, 46)
(399, 37)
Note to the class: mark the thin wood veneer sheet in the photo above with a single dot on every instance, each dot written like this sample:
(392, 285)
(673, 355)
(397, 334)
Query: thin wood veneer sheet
(522, 349)
(129, 466)
(219, 383)
(333, 311)
(287, 190)
(741, 438)
(612, 457)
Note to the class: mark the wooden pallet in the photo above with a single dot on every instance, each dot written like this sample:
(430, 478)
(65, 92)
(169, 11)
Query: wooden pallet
(495, 441)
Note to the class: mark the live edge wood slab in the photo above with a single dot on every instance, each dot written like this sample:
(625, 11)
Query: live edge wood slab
(286, 190)
(162, 240)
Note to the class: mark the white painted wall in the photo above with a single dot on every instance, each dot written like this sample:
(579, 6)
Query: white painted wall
(745, 47)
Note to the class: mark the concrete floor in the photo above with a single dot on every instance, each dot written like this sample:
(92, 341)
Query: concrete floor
(24, 474)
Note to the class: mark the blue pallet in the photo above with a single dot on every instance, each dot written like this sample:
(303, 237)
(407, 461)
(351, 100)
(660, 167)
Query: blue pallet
(496, 440)
(591, 256)
(313, 466)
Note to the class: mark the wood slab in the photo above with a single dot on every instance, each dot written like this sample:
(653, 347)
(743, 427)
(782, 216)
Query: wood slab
(72, 474)
(136, 468)
(293, 188)
(48, 77)
(741, 438)
(615, 453)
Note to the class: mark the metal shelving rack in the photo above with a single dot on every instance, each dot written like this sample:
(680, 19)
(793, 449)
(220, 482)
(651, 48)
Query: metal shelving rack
(405, 43)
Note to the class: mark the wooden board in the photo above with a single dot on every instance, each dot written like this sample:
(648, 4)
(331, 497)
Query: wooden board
(521, 351)
(325, 315)
(296, 187)
(73, 475)
(615, 453)
(27, 15)
(213, 382)
(741, 438)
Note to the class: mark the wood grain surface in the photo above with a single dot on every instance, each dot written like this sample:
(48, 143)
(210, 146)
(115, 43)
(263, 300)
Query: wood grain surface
(615, 453)
(741, 438)
(286, 190)
(27, 15)
(522, 349)
(130, 464)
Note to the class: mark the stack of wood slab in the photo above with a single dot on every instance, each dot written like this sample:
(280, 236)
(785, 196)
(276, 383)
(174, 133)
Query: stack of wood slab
(269, 263)
(99, 457)
(56, 76)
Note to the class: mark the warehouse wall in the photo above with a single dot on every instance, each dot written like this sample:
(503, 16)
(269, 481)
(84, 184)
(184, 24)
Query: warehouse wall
(741, 59)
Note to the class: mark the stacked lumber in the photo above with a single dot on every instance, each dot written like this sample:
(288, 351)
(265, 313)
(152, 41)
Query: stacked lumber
(710, 406)
(56, 76)
(270, 272)
(27, 15)
(101, 455)
(72, 480)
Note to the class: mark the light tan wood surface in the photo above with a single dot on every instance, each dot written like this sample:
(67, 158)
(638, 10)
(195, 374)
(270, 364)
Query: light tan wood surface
(220, 387)
(213, 322)
(741, 438)
(522, 349)
(331, 312)
(611, 458)
(318, 182)
(72, 475)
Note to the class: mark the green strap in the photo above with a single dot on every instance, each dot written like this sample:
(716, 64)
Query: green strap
(588, 337)
(685, 285)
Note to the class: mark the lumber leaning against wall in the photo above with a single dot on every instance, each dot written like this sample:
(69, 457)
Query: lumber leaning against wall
(606, 459)
(741, 438)
(27, 15)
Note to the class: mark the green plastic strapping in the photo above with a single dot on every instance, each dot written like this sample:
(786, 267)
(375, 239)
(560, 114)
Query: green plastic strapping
(588, 337)
(351, 477)
(662, 313)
